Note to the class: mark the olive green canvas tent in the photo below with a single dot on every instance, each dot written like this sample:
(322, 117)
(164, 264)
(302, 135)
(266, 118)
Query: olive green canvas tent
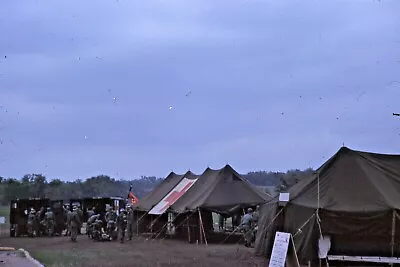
(354, 198)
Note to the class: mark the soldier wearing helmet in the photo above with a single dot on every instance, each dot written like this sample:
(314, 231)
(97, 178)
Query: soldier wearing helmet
(131, 218)
(122, 223)
(74, 223)
(246, 226)
(31, 222)
(50, 220)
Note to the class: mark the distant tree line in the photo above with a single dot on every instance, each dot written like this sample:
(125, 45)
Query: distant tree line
(37, 185)
(281, 181)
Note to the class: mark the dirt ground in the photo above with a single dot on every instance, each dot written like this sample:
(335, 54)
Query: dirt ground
(59, 251)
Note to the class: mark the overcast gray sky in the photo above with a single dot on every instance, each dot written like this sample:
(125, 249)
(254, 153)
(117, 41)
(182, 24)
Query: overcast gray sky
(129, 88)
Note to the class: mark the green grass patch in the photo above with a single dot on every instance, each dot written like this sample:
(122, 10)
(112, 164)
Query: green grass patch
(62, 258)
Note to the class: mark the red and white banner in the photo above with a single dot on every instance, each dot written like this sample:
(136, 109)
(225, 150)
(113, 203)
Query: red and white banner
(178, 191)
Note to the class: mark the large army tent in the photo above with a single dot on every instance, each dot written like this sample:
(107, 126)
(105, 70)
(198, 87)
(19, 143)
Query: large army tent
(220, 191)
(354, 198)
(155, 196)
(145, 221)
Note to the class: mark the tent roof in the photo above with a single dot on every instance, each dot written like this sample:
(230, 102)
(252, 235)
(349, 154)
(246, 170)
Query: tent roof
(352, 181)
(157, 194)
(220, 190)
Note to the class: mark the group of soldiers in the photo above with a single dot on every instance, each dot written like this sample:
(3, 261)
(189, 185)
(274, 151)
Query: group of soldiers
(44, 223)
(111, 226)
(115, 225)
(99, 228)
(41, 223)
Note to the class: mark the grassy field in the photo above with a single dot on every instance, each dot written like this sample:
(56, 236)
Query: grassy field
(141, 251)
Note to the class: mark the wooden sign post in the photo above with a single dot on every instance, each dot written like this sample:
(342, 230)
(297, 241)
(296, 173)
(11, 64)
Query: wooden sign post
(283, 252)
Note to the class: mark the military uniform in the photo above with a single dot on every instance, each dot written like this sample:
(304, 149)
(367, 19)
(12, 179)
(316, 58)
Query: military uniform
(90, 224)
(111, 218)
(246, 225)
(31, 223)
(39, 225)
(67, 215)
(74, 223)
(50, 221)
(91, 212)
(122, 222)
(131, 219)
(80, 214)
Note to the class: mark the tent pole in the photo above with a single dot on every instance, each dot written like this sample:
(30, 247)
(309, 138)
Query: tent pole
(188, 229)
(393, 232)
(202, 228)
(137, 228)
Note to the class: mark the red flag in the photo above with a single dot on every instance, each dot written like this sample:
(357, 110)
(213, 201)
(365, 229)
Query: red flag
(133, 198)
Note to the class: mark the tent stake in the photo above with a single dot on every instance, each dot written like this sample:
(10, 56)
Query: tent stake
(202, 227)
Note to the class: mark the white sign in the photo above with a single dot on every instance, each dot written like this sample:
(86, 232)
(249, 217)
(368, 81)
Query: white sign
(284, 197)
(280, 249)
(178, 191)
(2, 220)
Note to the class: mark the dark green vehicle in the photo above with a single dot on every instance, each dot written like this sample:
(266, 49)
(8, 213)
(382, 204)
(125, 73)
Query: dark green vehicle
(19, 210)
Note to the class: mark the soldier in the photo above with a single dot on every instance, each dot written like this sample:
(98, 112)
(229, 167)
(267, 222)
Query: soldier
(97, 230)
(122, 222)
(80, 214)
(39, 221)
(90, 224)
(49, 221)
(91, 212)
(31, 223)
(131, 218)
(67, 214)
(111, 218)
(74, 223)
(246, 224)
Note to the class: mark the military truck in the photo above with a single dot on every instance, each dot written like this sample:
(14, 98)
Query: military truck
(19, 210)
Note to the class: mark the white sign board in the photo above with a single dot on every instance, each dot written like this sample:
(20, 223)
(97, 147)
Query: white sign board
(284, 197)
(280, 249)
(2, 220)
(178, 191)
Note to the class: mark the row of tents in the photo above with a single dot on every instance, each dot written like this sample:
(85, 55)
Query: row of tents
(191, 199)
(353, 198)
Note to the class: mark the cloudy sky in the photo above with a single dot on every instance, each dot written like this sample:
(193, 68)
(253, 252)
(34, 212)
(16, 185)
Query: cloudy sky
(129, 88)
